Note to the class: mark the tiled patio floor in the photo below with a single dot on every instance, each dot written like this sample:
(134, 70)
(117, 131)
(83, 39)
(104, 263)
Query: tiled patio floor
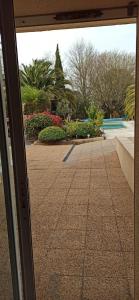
(82, 223)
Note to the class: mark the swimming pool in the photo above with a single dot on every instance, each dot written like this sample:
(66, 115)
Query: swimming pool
(113, 123)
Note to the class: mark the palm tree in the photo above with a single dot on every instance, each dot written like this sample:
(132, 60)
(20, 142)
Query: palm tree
(39, 74)
(130, 102)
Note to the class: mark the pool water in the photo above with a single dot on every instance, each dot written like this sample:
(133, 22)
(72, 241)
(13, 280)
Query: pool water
(115, 126)
(114, 123)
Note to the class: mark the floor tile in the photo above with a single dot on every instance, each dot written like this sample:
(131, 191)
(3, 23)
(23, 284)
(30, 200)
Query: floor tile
(106, 289)
(72, 222)
(129, 262)
(132, 288)
(78, 192)
(80, 185)
(91, 178)
(74, 210)
(102, 234)
(104, 264)
(65, 262)
(70, 239)
(98, 173)
(115, 172)
(102, 200)
(100, 209)
(77, 200)
(57, 287)
(126, 232)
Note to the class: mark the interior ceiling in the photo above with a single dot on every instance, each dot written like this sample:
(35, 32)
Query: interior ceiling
(38, 7)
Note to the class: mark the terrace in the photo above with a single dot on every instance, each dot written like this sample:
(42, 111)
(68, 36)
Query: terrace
(82, 222)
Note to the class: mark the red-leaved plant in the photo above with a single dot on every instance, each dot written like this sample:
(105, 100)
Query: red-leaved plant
(56, 120)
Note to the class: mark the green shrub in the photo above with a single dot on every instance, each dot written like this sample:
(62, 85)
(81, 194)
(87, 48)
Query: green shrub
(34, 100)
(35, 123)
(85, 129)
(52, 133)
(95, 115)
(71, 129)
(82, 129)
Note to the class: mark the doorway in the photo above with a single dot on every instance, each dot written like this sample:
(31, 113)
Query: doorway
(27, 256)
(82, 210)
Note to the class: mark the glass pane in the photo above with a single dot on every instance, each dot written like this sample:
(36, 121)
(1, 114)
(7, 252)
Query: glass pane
(6, 291)
(6, 283)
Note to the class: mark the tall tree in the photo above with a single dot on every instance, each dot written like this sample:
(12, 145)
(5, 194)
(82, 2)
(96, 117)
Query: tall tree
(100, 78)
(114, 73)
(59, 74)
(82, 60)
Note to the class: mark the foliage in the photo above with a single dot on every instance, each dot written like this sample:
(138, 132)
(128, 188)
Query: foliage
(39, 74)
(71, 128)
(52, 133)
(93, 78)
(66, 103)
(56, 120)
(29, 94)
(35, 123)
(85, 129)
(82, 129)
(63, 95)
(42, 102)
(100, 78)
(81, 71)
(63, 108)
(59, 74)
(95, 115)
(34, 100)
(130, 102)
(115, 72)
(41, 83)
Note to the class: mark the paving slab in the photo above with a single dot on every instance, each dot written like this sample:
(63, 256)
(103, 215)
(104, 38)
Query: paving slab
(82, 223)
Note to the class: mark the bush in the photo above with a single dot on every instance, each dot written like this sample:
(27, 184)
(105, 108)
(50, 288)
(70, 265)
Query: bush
(85, 129)
(82, 129)
(71, 129)
(52, 133)
(35, 123)
(56, 120)
(95, 115)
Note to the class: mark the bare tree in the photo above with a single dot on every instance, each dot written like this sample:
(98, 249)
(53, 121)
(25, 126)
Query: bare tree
(114, 73)
(82, 60)
(100, 78)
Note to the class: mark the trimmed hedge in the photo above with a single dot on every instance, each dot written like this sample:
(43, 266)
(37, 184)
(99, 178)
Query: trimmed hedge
(52, 133)
(82, 130)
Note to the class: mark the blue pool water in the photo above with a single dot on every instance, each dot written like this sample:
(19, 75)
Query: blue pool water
(113, 123)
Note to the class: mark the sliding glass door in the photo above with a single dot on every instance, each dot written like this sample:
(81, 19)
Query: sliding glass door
(16, 258)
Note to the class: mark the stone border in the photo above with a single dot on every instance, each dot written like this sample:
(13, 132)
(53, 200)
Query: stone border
(72, 142)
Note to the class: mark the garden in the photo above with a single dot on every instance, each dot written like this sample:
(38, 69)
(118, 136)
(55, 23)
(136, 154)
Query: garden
(61, 106)
(47, 127)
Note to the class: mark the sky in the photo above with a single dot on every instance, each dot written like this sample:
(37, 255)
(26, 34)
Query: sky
(43, 44)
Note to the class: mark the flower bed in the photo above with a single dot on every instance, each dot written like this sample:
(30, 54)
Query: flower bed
(37, 122)
(49, 128)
